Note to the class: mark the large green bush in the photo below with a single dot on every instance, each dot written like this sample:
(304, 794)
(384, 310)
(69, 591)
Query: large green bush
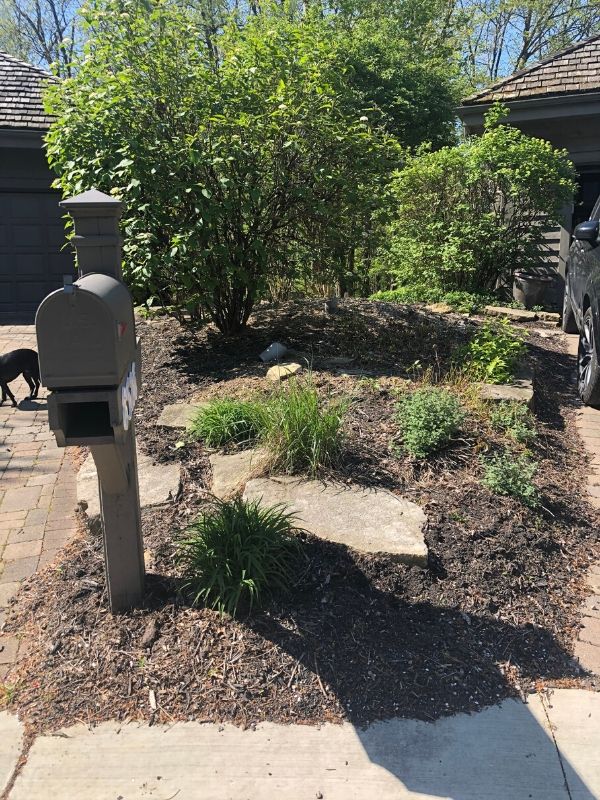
(230, 153)
(466, 217)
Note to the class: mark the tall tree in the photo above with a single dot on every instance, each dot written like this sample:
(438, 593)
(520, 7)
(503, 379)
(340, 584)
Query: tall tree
(44, 32)
(503, 36)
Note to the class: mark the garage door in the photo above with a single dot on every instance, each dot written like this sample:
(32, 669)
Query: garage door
(32, 261)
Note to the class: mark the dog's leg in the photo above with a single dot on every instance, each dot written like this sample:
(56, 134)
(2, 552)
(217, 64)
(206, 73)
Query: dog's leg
(30, 383)
(6, 391)
(33, 384)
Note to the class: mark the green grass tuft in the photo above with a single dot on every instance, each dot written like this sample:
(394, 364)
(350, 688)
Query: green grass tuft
(302, 433)
(225, 421)
(237, 552)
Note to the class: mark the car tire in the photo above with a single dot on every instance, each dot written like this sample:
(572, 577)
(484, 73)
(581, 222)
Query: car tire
(568, 323)
(588, 368)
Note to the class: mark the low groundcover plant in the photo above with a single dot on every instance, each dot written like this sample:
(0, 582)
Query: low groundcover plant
(429, 418)
(512, 475)
(514, 419)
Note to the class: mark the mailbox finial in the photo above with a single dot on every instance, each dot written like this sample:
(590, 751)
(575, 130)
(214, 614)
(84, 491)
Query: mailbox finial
(97, 239)
(91, 198)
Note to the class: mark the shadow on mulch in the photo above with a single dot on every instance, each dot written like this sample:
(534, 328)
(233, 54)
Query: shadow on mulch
(388, 339)
(359, 638)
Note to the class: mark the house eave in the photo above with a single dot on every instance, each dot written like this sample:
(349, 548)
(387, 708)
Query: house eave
(581, 104)
(22, 137)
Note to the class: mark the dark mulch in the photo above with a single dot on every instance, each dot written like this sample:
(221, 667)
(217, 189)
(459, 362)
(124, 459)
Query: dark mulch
(361, 638)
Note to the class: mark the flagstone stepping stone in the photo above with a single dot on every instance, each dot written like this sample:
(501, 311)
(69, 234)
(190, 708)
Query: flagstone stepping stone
(514, 314)
(368, 520)
(520, 390)
(282, 371)
(231, 472)
(179, 415)
(158, 483)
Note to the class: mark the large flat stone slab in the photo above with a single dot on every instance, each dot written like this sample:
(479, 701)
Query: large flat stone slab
(231, 472)
(503, 753)
(368, 520)
(179, 415)
(11, 734)
(159, 483)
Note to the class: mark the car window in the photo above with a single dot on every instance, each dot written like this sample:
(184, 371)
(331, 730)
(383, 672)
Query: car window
(596, 210)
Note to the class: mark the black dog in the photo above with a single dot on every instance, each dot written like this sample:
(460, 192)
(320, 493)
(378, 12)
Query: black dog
(19, 362)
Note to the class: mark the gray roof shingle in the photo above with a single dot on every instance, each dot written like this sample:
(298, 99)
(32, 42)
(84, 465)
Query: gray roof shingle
(21, 86)
(575, 70)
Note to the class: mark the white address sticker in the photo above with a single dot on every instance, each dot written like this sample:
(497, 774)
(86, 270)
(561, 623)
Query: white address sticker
(129, 393)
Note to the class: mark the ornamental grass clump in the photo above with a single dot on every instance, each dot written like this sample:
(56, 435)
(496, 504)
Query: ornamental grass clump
(236, 553)
(513, 419)
(494, 353)
(429, 418)
(225, 421)
(512, 475)
(302, 433)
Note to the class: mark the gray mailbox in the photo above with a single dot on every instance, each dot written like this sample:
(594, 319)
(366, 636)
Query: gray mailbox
(89, 358)
(90, 362)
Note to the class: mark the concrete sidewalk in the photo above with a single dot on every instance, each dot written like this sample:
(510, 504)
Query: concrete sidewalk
(545, 750)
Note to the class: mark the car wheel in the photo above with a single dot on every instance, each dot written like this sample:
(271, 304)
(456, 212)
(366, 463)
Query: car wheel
(568, 323)
(588, 369)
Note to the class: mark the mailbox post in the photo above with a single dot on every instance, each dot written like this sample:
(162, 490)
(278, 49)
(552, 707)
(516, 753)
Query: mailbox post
(90, 362)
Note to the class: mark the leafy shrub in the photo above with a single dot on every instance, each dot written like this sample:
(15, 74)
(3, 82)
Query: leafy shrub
(513, 419)
(429, 418)
(301, 432)
(512, 475)
(466, 216)
(236, 552)
(224, 421)
(494, 352)
(463, 302)
(230, 146)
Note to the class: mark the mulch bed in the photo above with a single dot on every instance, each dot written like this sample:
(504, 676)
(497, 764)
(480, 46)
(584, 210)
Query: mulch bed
(358, 637)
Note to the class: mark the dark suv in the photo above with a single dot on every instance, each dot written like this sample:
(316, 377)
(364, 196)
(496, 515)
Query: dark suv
(581, 305)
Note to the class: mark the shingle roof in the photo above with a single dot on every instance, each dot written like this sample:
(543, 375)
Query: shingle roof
(572, 71)
(21, 95)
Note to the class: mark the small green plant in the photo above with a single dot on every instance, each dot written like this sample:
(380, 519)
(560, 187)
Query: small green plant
(227, 420)
(512, 475)
(236, 552)
(302, 433)
(8, 692)
(514, 419)
(429, 418)
(494, 352)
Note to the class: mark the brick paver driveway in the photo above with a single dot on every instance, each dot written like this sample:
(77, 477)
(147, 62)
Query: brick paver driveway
(37, 489)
